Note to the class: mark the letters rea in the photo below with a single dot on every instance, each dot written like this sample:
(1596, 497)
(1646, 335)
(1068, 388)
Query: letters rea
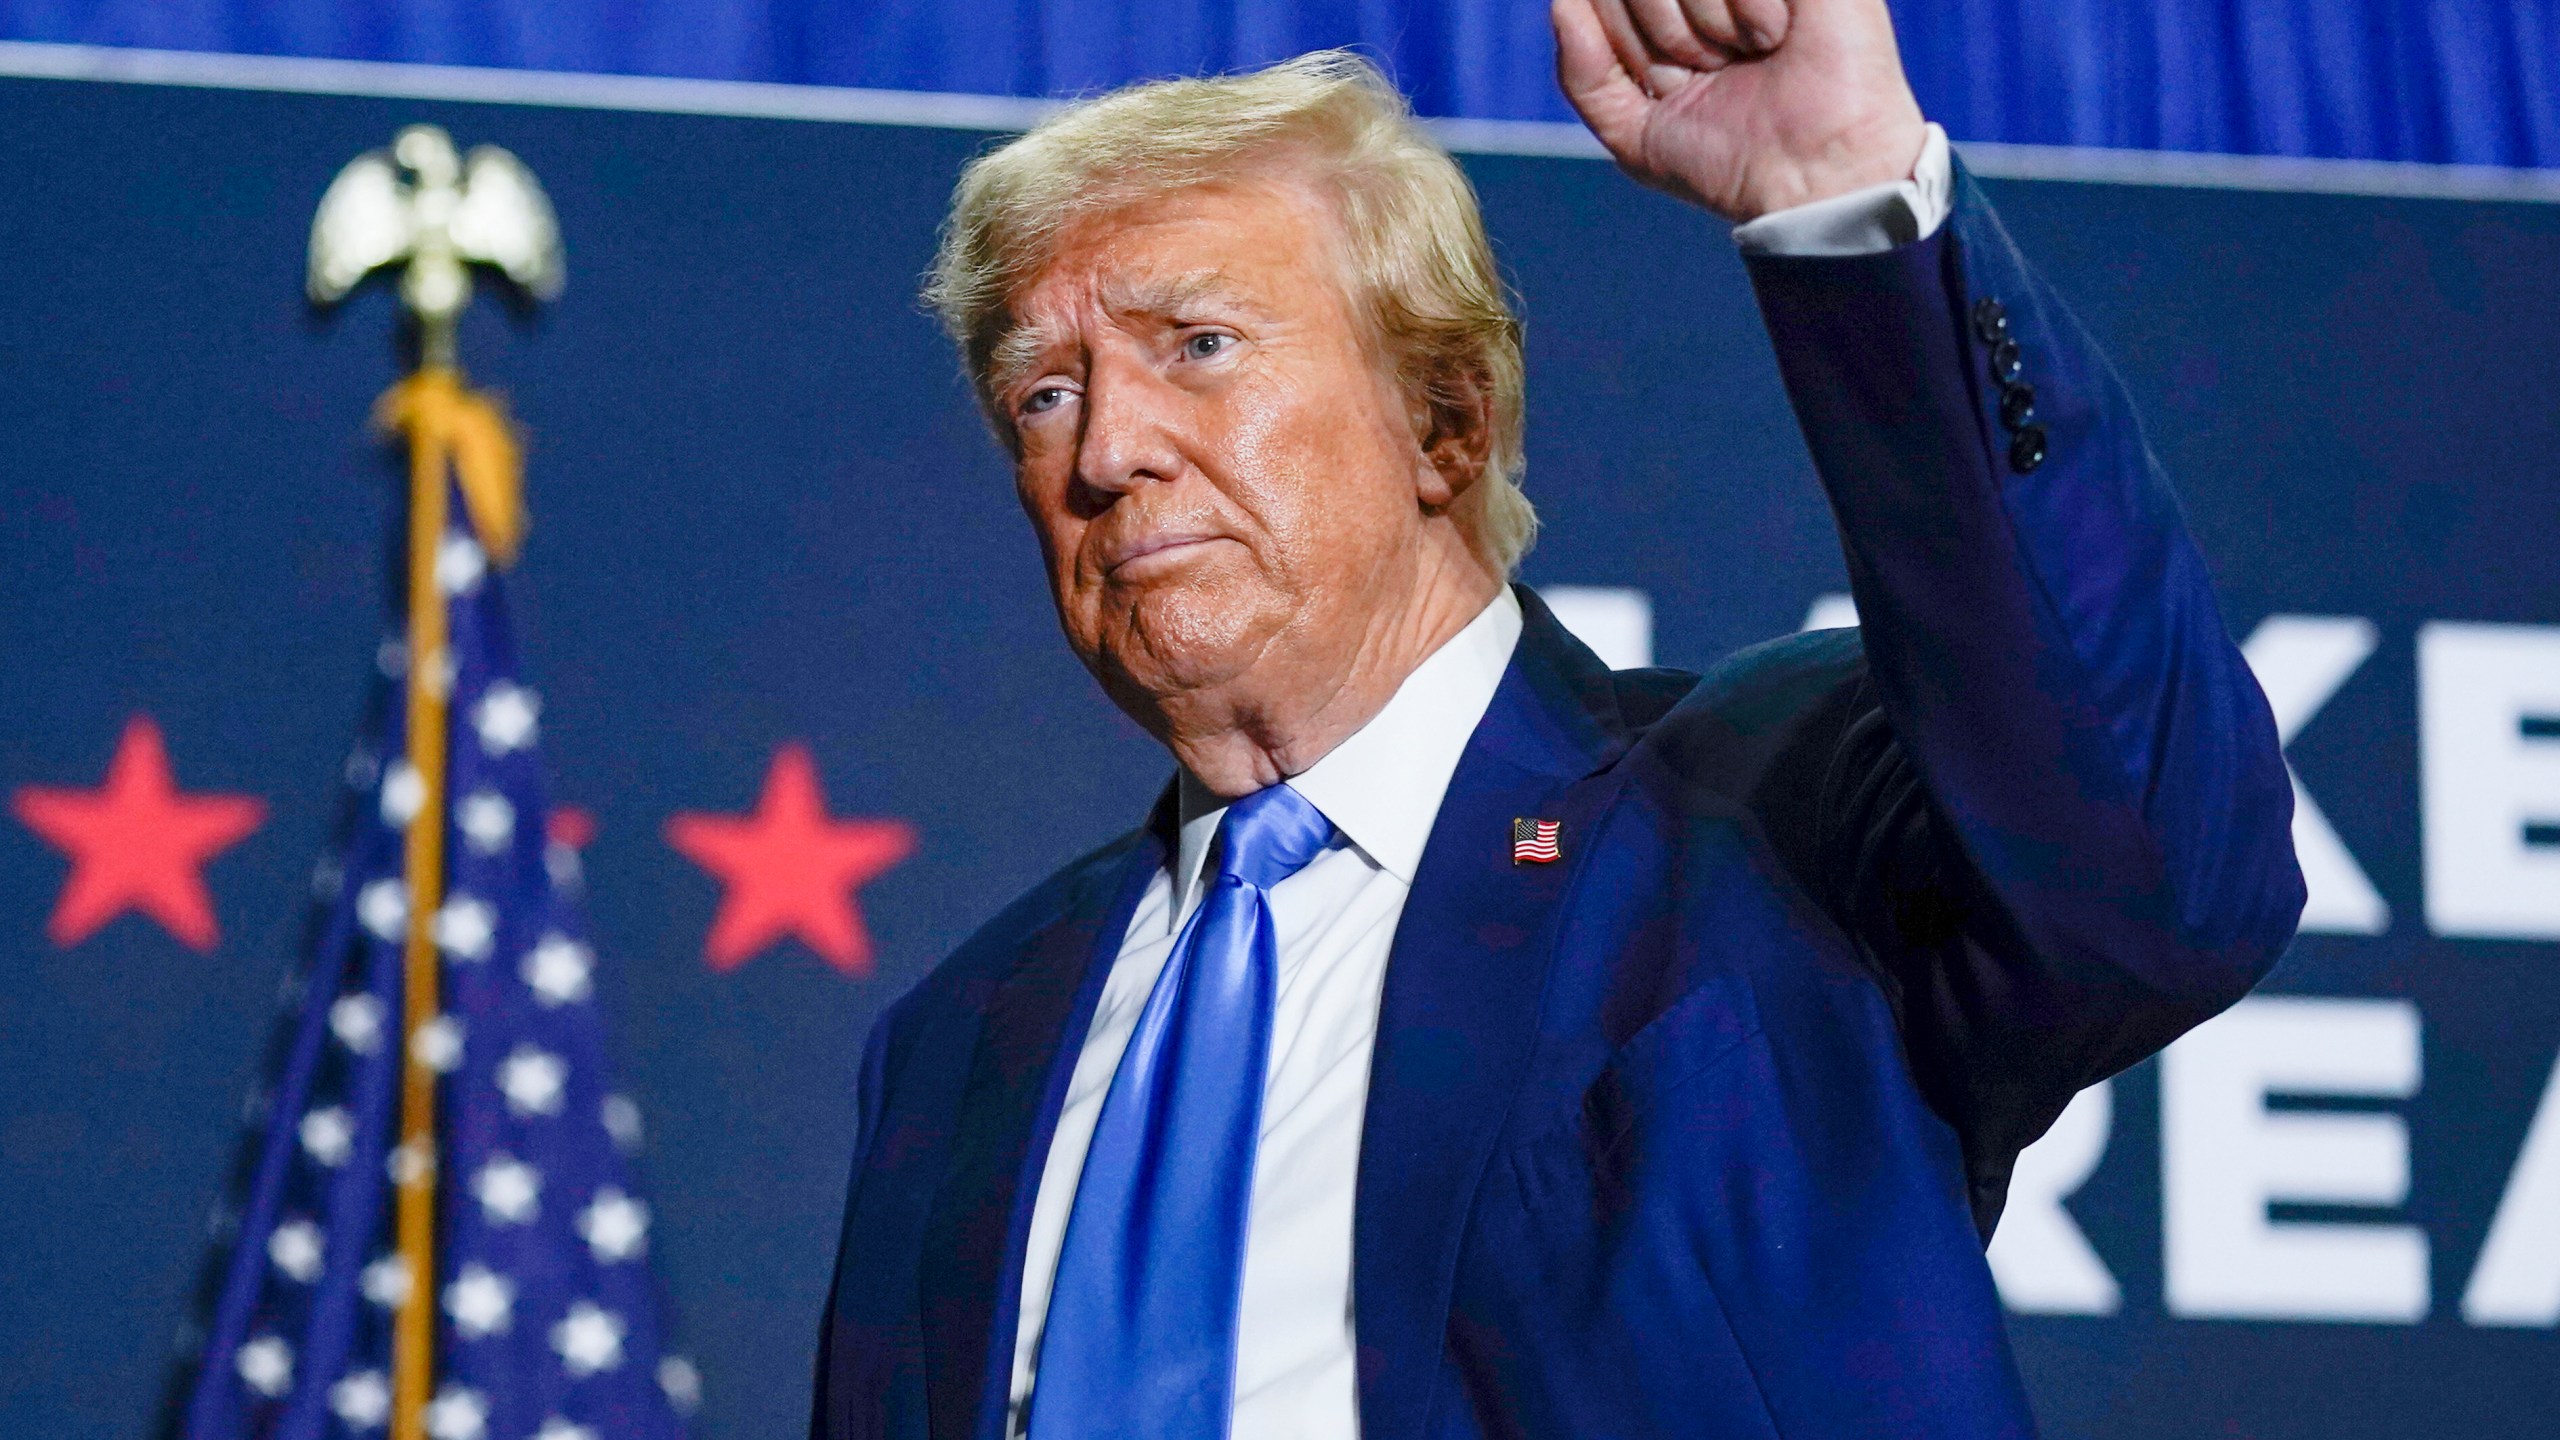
(2227, 1157)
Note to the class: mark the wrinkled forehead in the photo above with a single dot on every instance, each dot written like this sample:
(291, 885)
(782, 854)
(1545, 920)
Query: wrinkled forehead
(1132, 286)
(1263, 238)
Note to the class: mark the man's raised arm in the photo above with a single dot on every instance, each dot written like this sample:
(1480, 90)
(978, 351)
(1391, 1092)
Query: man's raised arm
(2059, 817)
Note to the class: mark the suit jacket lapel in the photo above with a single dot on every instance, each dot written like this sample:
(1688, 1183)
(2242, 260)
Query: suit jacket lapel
(1455, 1026)
(1460, 1009)
(971, 1279)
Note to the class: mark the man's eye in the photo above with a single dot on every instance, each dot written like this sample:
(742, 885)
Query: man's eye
(1206, 344)
(1047, 397)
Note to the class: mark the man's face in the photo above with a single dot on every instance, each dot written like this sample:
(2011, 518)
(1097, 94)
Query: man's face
(1223, 476)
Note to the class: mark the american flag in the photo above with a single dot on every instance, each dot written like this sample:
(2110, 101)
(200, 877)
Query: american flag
(1533, 842)
(546, 1321)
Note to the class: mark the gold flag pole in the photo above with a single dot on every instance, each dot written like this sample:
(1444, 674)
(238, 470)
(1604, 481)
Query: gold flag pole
(422, 209)
(429, 683)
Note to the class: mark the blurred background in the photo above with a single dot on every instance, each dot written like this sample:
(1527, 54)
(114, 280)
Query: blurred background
(774, 555)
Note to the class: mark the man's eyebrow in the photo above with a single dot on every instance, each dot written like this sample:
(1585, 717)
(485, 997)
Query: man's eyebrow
(1012, 354)
(1020, 346)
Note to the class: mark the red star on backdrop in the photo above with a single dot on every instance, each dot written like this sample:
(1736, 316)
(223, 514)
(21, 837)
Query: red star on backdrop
(790, 869)
(570, 826)
(136, 843)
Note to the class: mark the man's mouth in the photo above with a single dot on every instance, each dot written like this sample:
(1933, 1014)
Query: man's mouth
(1149, 555)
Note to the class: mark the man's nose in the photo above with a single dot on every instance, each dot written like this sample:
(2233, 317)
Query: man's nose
(1128, 437)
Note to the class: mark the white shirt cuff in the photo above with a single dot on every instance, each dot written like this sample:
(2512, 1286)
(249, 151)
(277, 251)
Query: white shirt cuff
(1862, 222)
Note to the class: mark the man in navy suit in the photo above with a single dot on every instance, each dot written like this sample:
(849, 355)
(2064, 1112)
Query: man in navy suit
(1473, 1041)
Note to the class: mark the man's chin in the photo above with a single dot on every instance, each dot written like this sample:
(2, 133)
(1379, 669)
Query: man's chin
(1168, 640)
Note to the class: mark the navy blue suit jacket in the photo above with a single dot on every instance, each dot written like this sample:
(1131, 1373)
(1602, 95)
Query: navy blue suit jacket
(1699, 1131)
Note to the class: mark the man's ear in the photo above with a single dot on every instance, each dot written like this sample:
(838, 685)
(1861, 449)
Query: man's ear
(1453, 418)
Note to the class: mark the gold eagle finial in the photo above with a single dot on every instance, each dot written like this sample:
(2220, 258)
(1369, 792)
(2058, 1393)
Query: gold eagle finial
(421, 206)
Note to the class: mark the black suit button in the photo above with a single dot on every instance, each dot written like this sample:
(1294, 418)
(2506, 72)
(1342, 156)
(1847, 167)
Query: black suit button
(2017, 405)
(1990, 321)
(2005, 363)
(2026, 449)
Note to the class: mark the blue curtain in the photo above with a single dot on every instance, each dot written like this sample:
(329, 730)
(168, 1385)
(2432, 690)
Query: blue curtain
(2447, 81)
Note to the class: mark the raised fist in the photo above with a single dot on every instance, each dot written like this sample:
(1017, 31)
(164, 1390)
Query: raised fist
(1743, 106)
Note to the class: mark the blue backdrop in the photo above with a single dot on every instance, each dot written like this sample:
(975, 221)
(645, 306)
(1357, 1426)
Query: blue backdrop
(2464, 81)
(765, 515)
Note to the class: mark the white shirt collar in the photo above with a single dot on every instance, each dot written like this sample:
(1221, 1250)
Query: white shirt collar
(1382, 786)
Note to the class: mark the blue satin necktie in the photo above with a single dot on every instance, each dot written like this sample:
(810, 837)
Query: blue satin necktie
(1141, 1335)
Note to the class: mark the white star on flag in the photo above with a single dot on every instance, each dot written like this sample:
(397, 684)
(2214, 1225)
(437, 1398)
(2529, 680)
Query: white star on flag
(362, 1400)
(507, 717)
(465, 927)
(621, 1116)
(266, 1365)
(403, 791)
(460, 563)
(457, 1413)
(383, 906)
(559, 1427)
(481, 1301)
(486, 820)
(391, 657)
(328, 1136)
(558, 970)
(560, 862)
(295, 1247)
(681, 1382)
(509, 1190)
(615, 1226)
(438, 1044)
(385, 1282)
(589, 1339)
(436, 676)
(532, 1079)
(357, 1022)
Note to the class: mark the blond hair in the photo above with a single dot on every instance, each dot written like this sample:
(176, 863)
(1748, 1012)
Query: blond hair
(1414, 244)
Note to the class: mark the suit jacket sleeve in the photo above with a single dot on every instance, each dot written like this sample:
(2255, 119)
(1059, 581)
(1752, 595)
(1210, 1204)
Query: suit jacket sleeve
(2055, 815)
(825, 1423)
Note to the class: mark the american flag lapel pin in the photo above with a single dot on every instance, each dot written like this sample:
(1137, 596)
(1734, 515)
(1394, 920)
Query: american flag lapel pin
(1533, 842)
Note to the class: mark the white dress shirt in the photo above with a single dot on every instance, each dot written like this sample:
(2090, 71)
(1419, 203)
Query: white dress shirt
(1296, 1374)
(1863, 222)
(1335, 920)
